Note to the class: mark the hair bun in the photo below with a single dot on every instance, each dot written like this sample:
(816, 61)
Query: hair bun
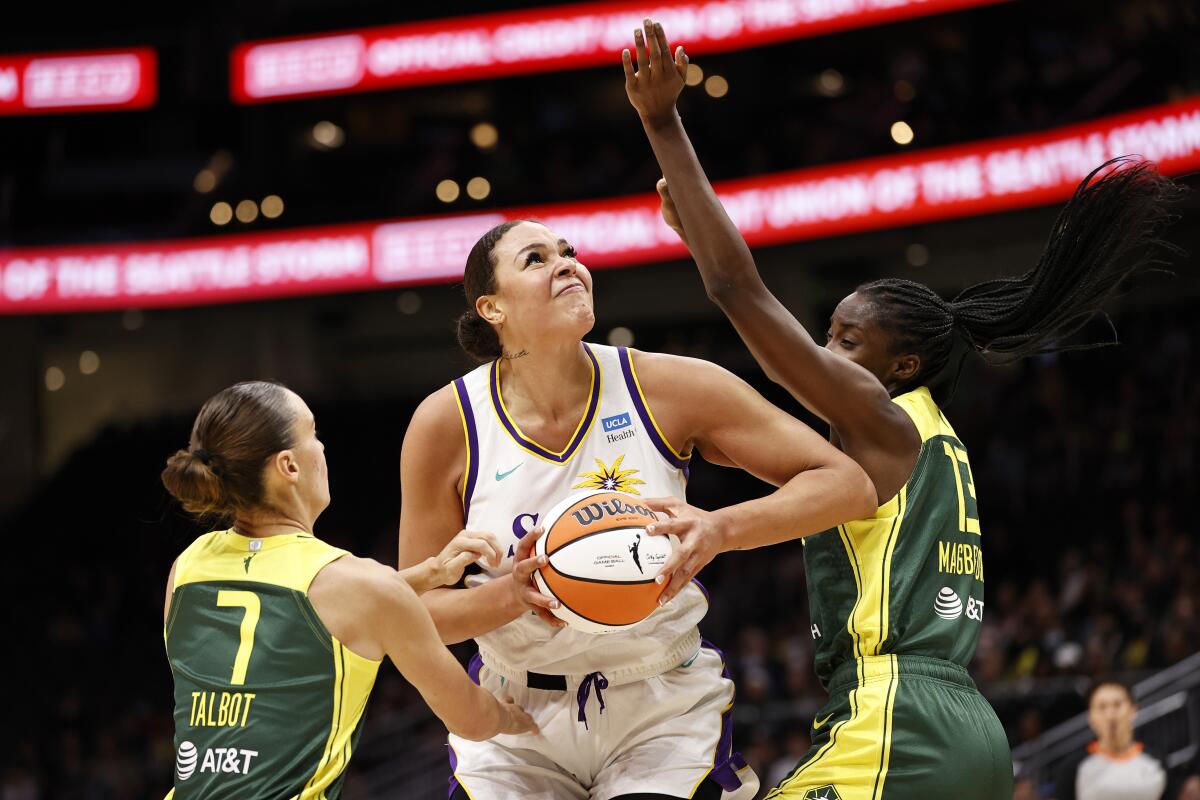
(477, 337)
(191, 480)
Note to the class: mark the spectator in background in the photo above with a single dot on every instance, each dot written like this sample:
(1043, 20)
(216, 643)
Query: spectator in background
(1115, 767)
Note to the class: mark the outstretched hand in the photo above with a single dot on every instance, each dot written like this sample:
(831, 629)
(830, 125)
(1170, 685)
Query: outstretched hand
(659, 78)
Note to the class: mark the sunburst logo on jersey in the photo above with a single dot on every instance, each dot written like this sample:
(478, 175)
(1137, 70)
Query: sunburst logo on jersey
(611, 478)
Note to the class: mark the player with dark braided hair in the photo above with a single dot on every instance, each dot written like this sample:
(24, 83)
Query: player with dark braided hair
(896, 600)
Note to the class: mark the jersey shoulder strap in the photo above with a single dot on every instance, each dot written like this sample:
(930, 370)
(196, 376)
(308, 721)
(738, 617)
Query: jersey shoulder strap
(924, 413)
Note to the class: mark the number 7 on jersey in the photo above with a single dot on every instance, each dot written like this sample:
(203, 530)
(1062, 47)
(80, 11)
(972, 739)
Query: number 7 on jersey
(250, 602)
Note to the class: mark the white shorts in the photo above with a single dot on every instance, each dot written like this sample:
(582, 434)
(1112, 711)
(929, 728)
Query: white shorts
(666, 734)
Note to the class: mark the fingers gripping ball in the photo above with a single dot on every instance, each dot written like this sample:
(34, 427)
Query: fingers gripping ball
(602, 562)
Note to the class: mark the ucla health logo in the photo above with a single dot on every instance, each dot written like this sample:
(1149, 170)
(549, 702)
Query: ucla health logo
(618, 422)
(615, 423)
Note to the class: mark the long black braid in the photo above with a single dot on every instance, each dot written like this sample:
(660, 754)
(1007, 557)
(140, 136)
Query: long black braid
(1108, 230)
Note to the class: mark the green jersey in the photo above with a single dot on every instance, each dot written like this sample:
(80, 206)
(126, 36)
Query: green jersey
(268, 704)
(908, 581)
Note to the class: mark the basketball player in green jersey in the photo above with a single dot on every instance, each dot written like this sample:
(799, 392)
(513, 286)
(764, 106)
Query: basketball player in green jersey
(896, 600)
(274, 637)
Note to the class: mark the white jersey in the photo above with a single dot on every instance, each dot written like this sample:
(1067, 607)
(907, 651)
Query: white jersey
(509, 483)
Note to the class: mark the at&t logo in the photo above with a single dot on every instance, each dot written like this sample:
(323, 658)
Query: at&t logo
(949, 606)
(226, 760)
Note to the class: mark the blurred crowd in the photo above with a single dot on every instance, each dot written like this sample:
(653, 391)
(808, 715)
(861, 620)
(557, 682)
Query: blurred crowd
(1084, 464)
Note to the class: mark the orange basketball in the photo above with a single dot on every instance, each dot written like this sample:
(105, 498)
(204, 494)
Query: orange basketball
(602, 562)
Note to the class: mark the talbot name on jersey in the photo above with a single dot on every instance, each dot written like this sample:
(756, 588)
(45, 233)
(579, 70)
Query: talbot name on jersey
(956, 558)
(594, 512)
(221, 709)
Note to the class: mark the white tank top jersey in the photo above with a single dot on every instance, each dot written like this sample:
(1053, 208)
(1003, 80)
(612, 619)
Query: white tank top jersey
(510, 481)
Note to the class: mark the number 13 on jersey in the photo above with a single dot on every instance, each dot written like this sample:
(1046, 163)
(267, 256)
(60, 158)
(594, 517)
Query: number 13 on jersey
(968, 510)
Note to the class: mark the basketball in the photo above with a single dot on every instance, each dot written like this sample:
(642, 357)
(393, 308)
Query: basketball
(602, 562)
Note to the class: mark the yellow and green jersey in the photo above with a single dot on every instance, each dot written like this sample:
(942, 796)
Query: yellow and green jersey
(268, 704)
(908, 581)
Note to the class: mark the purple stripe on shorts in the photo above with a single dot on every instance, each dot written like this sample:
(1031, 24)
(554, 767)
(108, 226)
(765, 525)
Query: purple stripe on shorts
(453, 769)
(473, 668)
(726, 763)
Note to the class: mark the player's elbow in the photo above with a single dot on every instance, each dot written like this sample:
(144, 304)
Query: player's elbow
(861, 497)
(478, 718)
(726, 290)
(473, 729)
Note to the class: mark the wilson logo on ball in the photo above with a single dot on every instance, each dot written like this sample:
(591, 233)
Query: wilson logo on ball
(594, 512)
(601, 562)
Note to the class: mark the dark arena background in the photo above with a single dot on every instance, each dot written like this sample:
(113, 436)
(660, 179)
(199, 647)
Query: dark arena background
(196, 194)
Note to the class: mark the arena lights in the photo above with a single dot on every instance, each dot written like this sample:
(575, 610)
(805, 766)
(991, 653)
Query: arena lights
(916, 254)
(246, 211)
(716, 86)
(694, 75)
(408, 303)
(537, 40)
(897, 190)
(53, 83)
(89, 362)
(620, 336)
(205, 181)
(447, 191)
(485, 136)
(221, 213)
(328, 136)
(55, 379)
(132, 319)
(902, 133)
(830, 83)
(478, 188)
(272, 206)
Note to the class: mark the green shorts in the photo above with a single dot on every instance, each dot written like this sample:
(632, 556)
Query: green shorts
(900, 727)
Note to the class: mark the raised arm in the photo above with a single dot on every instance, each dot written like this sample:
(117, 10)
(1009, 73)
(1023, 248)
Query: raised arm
(373, 611)
(431, 514)
(842, 393)
(819, 487)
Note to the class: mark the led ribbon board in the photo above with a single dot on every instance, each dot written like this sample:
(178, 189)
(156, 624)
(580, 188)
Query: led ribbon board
(52, 83)
(923, 186)
(538, 40)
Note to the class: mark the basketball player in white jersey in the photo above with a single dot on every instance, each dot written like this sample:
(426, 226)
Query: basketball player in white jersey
(639, 714)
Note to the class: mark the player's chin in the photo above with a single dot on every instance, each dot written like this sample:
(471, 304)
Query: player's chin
(580, 317)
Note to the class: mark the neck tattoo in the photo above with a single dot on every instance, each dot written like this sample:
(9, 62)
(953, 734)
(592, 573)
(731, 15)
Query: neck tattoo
(511, 356)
